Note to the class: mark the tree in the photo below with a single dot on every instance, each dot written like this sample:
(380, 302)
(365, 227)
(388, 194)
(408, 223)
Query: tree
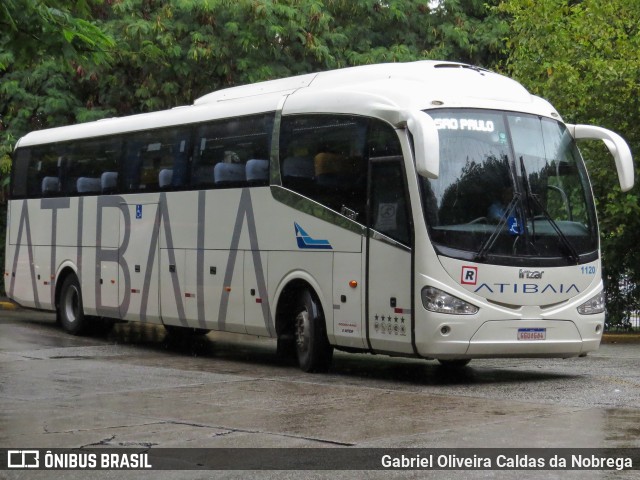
(43, 47)
(56, 27)
(172, 52)
(585, 57)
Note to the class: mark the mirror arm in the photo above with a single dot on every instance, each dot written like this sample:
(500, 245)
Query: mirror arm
(616, 145)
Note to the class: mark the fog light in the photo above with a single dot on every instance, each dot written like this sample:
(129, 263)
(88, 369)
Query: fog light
(445, 330)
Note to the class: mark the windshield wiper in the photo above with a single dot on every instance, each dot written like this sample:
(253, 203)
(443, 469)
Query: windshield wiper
(570, 249)
(488, 244)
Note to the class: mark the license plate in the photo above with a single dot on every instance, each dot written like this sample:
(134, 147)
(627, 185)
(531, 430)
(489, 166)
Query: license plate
(532, 334)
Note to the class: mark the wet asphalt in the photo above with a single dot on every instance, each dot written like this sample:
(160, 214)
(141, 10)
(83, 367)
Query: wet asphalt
(138, 387)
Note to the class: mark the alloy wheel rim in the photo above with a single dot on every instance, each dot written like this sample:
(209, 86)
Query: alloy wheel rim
(71, 305)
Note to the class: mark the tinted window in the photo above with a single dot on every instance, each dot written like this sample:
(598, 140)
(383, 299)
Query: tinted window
(323, 157)
(90, 166)
(44, 172)
(230, 152)
(85, 167)
(389, 210)
(19, 171)
(233, 152)
(156, 160)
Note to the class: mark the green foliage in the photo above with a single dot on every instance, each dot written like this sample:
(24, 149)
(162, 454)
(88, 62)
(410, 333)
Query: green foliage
(585, 57)
(32, 28)
(43, 47)
(171, 52)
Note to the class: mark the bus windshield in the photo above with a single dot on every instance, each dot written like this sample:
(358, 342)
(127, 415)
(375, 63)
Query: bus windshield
(511, 186)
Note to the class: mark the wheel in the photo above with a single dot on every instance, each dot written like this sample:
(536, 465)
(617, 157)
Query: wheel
(312, 345)
(453, 364)
(70, 310)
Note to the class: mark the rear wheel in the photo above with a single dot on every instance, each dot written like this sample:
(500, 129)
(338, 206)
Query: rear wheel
(70, 310)
(312, 345)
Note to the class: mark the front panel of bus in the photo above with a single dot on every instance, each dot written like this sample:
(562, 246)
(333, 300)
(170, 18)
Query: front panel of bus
(508, 263)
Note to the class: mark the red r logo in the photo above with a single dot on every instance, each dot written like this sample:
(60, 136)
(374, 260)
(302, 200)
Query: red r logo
(469, 275)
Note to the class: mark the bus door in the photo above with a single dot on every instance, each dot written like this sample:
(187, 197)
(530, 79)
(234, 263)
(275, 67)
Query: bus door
(141, 259)
(389, 258)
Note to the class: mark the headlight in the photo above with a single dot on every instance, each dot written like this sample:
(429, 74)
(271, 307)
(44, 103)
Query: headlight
(593, 305)
(438, 301)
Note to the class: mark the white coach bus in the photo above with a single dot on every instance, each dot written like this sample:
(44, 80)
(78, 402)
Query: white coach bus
(428, 209)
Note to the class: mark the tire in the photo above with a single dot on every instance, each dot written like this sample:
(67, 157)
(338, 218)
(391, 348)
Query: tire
(454, 364)
(70, 309)
(311, 343)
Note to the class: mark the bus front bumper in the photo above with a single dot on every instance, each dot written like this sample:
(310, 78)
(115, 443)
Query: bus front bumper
(518, 338)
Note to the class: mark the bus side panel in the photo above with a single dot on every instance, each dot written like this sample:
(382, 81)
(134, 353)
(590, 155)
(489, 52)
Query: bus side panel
(21, 284)
(306, 246)
(140, 262)
(222, 306)
(206, 292)
(172, 279)
(348, 299)
(29, 261)
(257, 315)
(44, 281)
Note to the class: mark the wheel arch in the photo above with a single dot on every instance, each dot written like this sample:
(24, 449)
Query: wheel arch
(286, 294)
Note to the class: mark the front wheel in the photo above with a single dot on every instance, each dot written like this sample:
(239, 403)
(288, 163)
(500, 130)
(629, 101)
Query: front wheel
(70, 310)
(312, 345)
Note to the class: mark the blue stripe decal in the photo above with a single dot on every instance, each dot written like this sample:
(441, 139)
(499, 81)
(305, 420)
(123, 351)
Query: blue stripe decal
(305, 241)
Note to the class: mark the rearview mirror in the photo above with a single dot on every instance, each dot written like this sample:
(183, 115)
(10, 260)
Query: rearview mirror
(426, 143)
(616, 145)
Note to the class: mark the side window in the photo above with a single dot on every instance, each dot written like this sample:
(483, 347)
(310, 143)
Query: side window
(19, 173)
(90, 167)
(323, 157)
(233, 152)
(86, 167)
(156, 160)
(45, 171)
(390, 214)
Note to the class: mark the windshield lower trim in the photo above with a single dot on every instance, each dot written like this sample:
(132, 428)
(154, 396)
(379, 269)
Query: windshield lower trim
(515, 261)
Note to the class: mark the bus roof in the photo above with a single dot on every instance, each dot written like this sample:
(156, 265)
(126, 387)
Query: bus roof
(381, 90)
